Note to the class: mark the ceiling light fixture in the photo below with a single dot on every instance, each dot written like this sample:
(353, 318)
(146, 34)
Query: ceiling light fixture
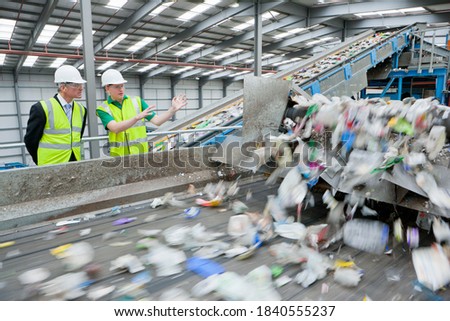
(116, 41)
(116, 4)
(47, 34)
(141, 44)
(6, 28)
(106, 65)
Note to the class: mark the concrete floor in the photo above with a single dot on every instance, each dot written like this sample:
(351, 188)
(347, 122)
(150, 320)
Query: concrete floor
(32, 250)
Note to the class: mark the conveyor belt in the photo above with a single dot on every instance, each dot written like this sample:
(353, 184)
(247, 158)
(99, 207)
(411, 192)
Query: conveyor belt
(32, 251)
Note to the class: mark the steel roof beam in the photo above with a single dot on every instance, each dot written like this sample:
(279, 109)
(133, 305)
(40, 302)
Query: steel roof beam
(40, 24)
(293, 9)
(353, 8)
(190, 73)
(244, 8)
(190, 32)
(219, 75)
(247, 36)
(272, 60)
(137, 16)
(156, 71)
(387, 22)
(284, 43)
(328, 21)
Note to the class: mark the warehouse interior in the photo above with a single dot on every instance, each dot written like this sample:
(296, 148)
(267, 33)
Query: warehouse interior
(251, 71)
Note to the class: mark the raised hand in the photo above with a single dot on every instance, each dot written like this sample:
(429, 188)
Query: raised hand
(146, 112)
(178, 102)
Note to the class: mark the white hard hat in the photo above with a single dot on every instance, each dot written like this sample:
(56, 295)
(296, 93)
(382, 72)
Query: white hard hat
(68, 74)
(112, 77)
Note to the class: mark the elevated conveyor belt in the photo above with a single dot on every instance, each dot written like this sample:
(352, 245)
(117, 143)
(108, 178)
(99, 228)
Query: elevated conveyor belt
(340, 70)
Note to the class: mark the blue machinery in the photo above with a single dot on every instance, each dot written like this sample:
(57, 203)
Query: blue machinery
(350, 76)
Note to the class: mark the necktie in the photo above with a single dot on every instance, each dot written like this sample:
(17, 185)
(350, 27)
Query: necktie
(68, 111)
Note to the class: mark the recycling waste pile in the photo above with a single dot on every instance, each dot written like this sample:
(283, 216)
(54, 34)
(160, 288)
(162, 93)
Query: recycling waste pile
(281, 234)
(338, 57)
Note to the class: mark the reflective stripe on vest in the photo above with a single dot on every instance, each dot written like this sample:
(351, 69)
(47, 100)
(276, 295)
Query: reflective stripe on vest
(60, 138)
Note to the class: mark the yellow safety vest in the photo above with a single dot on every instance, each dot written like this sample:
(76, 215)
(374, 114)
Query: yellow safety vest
(134, 139)
(60, 138)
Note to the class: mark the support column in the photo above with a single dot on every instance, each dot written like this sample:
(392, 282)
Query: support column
(89, 74)
(440, 87)
(258, 39)
(201, 83)
(19, 116)
(399, 88)
(225, 84)
(141, 87)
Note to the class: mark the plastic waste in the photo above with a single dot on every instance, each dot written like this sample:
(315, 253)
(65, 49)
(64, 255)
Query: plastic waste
(435, 142)
(239, 207)
(432, 266)
(115, 210)
(293, 231)
(238, 225)
(124, 220)
(282, 280)
(65, 287)
(191, 212)
(166, 260)
(423, 220)
(156, 202)
(315, 268)
(68, 222)
(441, 230)
(59, 251)
(176, 235)
(212, 203)
(142, 278)
(276, 270)
(99, 292)
(366, 235)
(235, 251)
(398, 230)
(34, 276)
(203, 267)
(144, 244)
(109, 235)
(85, 232)
(347, 277)
(127, 262)
(437, 195)
(412, 237)
(285, 253)
(149, 233)
(78, 255)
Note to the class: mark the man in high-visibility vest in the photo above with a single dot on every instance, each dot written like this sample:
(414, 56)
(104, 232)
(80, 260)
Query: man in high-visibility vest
(124, 117)
(56, 125)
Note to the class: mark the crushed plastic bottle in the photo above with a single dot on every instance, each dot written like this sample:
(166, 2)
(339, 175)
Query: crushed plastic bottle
(366, 235)
(115, 210)
(412, 237)
(191, 212)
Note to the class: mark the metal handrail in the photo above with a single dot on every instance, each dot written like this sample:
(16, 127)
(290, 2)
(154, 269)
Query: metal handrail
(162, 133)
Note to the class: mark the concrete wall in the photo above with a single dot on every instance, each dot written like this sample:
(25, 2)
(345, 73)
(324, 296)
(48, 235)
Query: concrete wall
(35, 87)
